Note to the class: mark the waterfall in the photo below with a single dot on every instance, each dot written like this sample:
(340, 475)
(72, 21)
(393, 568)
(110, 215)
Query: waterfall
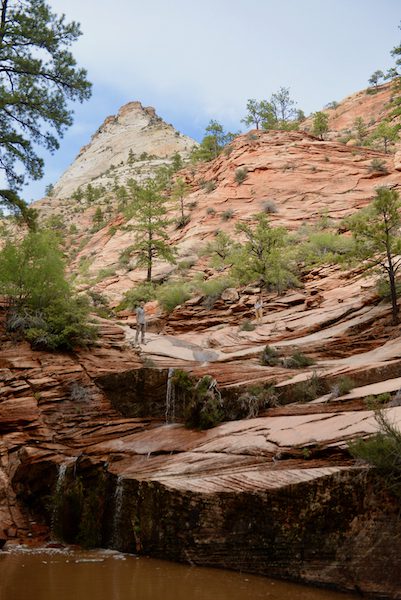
(170, 397)
(57, 497)
(117, 513)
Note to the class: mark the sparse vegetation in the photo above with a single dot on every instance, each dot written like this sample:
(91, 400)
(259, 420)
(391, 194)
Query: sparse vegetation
(269, 206)
(240, 175)
(383, 452)
(342, 386)
(247, 325)
(270, 357)
(378, 165)
(227, 214)
(209, 186)
(377, 237)
(170, 295)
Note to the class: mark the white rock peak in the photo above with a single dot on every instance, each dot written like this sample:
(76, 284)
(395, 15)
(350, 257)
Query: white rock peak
(135, 128)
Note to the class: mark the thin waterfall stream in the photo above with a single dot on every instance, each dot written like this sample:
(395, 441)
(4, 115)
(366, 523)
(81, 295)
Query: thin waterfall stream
(117, 510)
(170, 397)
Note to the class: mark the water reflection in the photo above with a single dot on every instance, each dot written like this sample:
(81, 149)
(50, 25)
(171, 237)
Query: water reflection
(56, 575)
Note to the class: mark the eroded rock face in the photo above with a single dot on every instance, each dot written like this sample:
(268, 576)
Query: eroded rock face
(135, 128)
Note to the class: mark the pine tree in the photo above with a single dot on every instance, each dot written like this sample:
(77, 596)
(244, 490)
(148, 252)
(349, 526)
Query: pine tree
(150, 228)
(376, 231)
(320, 124)
(39, 78)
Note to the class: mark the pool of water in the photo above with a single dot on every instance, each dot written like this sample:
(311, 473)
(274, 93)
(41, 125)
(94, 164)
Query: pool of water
(105, 575)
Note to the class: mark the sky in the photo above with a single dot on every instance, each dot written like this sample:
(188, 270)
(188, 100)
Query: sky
(197, 60)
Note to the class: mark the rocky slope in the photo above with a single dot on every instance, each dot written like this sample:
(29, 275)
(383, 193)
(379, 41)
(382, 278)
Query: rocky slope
(295, 177)
(100, 432)
(370, 105)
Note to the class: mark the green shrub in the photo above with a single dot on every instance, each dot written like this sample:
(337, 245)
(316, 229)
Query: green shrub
(342, 386)
(144, 291)
(269, 357)
(205, 408)
(298, 360)
(376, 402)
(227, 214)
(383, 452)
(308, 390)
(42, 307)
(378, 165)
(240, 175)
(60, 326)
(251, 402)
(182, 221)
(213, 288)
(269, 206)
(105, 274)
(383, 288)
(247, 325)
(210, 211)
(209, 186)
(170, 295)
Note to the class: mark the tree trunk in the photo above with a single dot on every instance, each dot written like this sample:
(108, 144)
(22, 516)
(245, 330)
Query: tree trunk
(393, 291)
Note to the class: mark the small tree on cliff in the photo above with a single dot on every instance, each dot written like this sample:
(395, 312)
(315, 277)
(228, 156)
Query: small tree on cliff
(386, 133)
(213, 142)
(320, 124)
(264, 255)
(151, 228)
(179, 191)
(376, 232)
(375, 78)
(256, 112)
(38, 79)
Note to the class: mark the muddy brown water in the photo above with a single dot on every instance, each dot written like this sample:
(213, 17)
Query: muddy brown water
(98, 575)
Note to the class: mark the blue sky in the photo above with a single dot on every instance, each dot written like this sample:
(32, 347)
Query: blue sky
(194, 60)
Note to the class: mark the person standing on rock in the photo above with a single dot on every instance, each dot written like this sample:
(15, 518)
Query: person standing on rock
(259, 309)
(140, 323)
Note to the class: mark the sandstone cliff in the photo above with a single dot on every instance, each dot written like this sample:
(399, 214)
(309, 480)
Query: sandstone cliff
(276, 493)
(134, 128)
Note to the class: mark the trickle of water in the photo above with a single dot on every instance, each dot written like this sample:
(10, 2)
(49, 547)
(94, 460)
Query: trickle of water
(62, 470)
(117, 510)
(170, 397)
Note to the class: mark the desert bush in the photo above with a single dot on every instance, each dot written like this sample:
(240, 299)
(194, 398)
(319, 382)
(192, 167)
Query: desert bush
(383, 288)
(254, 400)
(247, 325)
(213, 288)
(324, 247)
(383, 452)
(170, 295)
(209, 186)
(298, 360)
(308, 390)
(42, 307)
(227, 214)
(240, 175)
(210, 211)
(145, 291)
(182, 221)
(376, 402)
(269, 206)
(204, 408)
(342, 386)
(270, 357)
(378, 165)
(62, 325)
